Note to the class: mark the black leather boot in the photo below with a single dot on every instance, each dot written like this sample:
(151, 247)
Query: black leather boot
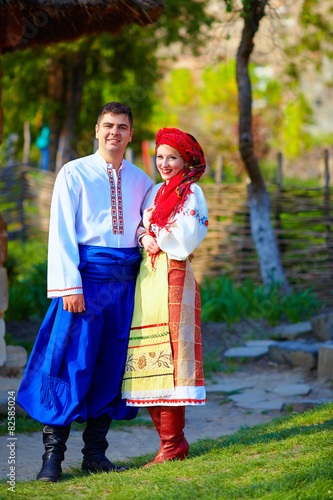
(94, 437)
(54, 440)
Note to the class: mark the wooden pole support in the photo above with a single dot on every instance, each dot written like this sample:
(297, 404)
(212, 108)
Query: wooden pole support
(326, 166)
(219, 170)
(279, 173)
(27, 142)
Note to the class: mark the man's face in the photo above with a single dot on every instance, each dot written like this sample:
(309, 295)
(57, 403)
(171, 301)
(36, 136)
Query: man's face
(113, 134)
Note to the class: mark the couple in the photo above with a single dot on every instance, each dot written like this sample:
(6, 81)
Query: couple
(123, 329)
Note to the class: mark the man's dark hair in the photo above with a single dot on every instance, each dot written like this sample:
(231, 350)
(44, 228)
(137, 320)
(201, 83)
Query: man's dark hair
(117, 108)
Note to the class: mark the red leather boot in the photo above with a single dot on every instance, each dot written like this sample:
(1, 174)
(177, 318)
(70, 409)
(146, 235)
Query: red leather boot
(155, 413)
(173, 442)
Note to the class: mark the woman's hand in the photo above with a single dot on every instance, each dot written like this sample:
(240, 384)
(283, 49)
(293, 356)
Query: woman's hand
(150, 244)
(147, 216)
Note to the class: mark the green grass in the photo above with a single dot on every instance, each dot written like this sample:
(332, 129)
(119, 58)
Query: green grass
(223, 300)
(287, 459)
(22, 424)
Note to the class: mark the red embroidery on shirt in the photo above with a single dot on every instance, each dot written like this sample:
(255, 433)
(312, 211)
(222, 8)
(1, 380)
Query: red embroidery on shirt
(116, 214)
(65, 289)
(120, 204)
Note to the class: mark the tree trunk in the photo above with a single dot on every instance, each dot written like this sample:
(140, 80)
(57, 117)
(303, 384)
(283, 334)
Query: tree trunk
(27, 142)
(259, 199)
(56, 97)
(75, 69)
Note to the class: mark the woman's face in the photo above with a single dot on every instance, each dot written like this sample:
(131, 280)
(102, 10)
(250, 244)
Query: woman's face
(169, 162)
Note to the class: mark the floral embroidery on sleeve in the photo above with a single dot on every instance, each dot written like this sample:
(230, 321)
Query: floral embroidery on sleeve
(192, 212)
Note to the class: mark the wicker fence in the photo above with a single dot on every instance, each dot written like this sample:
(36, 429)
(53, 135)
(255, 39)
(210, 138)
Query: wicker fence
(302, 219)
(14, 195)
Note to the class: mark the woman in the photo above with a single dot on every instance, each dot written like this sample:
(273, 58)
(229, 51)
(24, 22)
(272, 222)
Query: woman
(164, 361)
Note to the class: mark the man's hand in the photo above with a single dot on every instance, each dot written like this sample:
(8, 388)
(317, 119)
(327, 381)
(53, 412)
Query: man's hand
(147, 216)
(74, 303)
(150, 244)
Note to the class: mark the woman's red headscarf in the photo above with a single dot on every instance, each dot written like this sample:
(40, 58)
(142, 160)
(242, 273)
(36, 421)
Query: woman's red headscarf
(174, 195)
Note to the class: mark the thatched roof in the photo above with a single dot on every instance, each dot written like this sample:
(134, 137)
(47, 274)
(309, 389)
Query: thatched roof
(27, 23)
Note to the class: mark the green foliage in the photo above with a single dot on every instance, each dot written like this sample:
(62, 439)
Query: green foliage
(183, 21)
(317, 36)
(127, 66)
(26, 265)
(295, 139)
(206, 103)
(222, 300)
(120, 68)
(27, 297)
(123, 67)
(24, 84)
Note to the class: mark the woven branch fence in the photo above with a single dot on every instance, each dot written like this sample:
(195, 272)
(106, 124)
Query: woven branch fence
(302, 219)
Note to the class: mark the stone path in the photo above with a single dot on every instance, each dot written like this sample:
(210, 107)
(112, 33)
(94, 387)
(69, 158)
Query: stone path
(251, 396)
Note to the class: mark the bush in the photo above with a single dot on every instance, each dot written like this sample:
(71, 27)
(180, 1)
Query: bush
(222, 300)
(27, 268)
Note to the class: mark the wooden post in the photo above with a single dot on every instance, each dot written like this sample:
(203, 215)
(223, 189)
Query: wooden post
(326, 166)
(27, 141)
(218, 198)
(279, 173)
(219, 170)
(152, 168)
(21, 205)
(146, 156)
(60, 152)
(129, 155)
(329, 239)
(277, 215)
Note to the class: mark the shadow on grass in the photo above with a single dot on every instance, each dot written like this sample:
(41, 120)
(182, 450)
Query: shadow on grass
(258, 434)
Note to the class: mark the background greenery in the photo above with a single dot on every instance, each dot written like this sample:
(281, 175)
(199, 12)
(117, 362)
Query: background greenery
(138, 67)
(27, 267)
(223, 300)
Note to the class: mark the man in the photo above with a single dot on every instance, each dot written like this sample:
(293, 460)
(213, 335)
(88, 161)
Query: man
(76, 366)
